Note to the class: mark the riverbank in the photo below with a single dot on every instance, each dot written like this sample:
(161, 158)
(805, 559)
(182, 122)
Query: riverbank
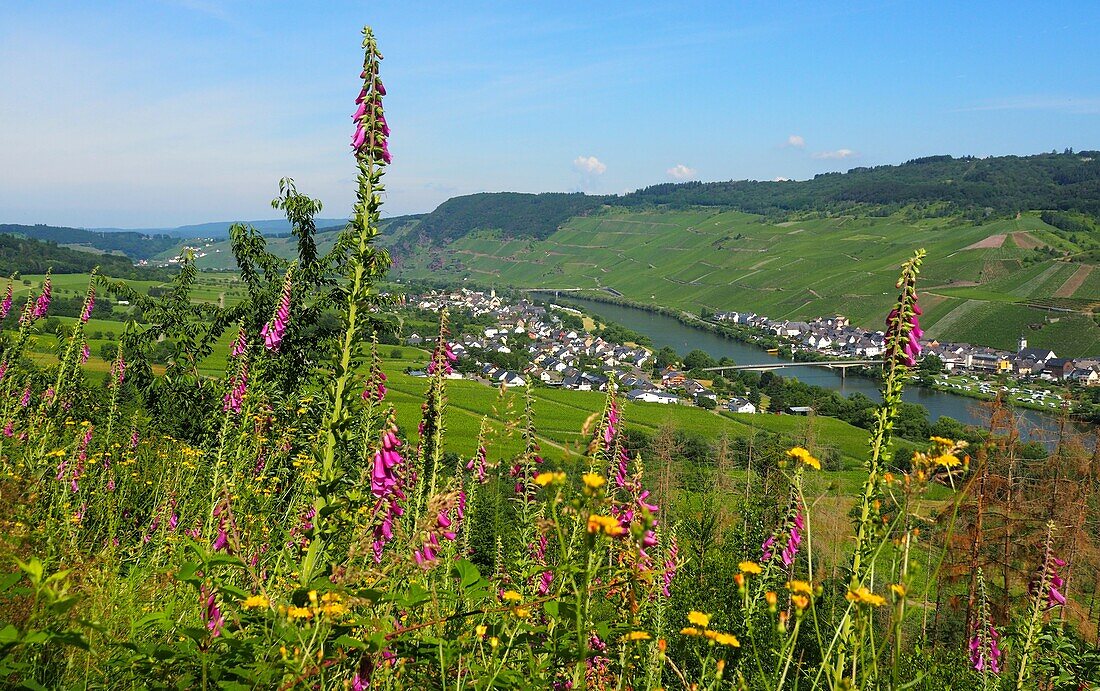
(683, 334)
(753, 337)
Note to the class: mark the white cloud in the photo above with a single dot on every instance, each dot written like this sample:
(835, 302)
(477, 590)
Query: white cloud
(796, 140)
(590, 165)
(781, 179)
(838, 154)
(681, 172)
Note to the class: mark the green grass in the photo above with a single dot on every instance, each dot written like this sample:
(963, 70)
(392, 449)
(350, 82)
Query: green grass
(848, 265)
(561, 415)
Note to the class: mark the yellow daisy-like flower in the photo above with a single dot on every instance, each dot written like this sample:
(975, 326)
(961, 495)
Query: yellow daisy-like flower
(727, 639)
(750, 567)
(295, 612)
(334, 609)
(946, 460)
(255, 602)
(637, 636)
(593, 480)
(604, 524)
(511, 596)
(800, 601)
(544, 479)
(699, 619)
(805, 456)
(800, 587)
(863, 596)
(898, 590)
(481, 629)
(691, 631)
(943, 441)
(521, 612)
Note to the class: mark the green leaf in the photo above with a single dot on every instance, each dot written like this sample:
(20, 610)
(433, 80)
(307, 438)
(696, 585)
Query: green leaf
(466, 572)
(9, 634)
(187, 571)
(74, 638)
(8, 580)
(33, 569)
(346, 641)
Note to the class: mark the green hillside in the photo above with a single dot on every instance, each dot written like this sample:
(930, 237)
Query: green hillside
(133, 244)
(218, 255)
(985, 283)
(23, 255)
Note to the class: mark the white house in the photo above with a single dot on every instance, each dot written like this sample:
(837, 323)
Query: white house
(651, 396)
(740, 405)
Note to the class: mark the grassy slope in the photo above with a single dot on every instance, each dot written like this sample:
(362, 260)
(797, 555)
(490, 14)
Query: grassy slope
(730, 260)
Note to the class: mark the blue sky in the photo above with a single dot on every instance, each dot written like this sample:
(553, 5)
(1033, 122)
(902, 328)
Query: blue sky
(159, 113)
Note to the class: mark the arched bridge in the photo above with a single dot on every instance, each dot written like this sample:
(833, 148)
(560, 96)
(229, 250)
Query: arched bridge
(841, 365)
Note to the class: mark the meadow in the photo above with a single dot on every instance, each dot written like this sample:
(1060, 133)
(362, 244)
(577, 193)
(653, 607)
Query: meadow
(312, 517)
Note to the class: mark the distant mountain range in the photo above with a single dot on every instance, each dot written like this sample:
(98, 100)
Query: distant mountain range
(220, 229)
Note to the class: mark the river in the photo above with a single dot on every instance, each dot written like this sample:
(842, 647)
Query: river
(667, 331)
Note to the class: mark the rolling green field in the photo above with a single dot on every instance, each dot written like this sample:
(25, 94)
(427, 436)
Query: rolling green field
(984, 284)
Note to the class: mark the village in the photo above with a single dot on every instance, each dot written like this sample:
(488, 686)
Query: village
(529, 342)
(1030, 376)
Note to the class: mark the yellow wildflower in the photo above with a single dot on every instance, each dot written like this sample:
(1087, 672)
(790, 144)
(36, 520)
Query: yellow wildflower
(295, 612)
(805, 456)
(521, 612)
(727, 639)
(800, 601)
(749, 567)
(800, 587)
(943, 441)
(691, 631)
(946, 460)
(637, 636)
(699, 619)
(511, 596)
(255, 602)
(494, 641)
(544, 479)
(335, 609)
(481, 629)
(593, 481)
(604, 524)
(863, 596)
(898, 589)
(770, 598)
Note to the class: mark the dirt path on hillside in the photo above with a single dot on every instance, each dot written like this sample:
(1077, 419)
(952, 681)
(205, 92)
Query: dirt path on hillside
(1074, 282)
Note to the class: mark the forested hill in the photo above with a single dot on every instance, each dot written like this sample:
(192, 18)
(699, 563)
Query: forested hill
(513, 213)
(26, 256)
(1002, 184)
(133, 244)
(932, 186)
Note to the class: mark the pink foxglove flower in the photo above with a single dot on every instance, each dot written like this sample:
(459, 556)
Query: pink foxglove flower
(240, 344)
(275, 329)
(42, 304)
(89, 305)
(985, 651)
(238, 386)
(5, 306)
